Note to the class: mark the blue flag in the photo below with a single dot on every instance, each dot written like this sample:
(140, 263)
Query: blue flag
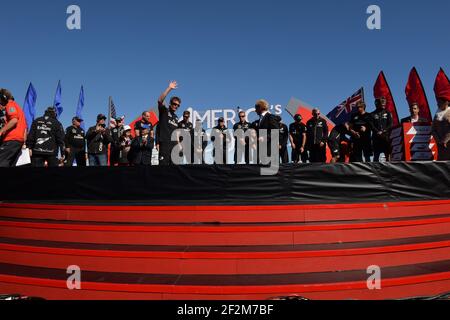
(57, 103)
(29, 106)
(343, 112)
(81, 106)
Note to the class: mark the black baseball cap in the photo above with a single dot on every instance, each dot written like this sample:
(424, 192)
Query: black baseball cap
(101, 117)
(77, 119)
(221, 119)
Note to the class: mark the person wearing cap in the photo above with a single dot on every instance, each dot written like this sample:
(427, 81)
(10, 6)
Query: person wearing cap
(414, 116)
(316, 137)
(125, 146)
(441, 121)
(168, 123)
(297, 137)
(116, 134)
(98, 139)
(75, 141)
(243, 125)
(13, 130)
(361, 134)
(220, 132)
(141, 150)
(382, 123)
(46, 140)
(188, 127)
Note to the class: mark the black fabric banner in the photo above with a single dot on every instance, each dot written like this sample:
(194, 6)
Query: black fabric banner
(229, 185)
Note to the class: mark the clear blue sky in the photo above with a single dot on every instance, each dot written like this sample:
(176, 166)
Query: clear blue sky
(223, 53)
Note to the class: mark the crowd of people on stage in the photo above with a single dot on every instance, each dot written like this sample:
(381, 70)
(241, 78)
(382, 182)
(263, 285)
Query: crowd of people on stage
(363, 139)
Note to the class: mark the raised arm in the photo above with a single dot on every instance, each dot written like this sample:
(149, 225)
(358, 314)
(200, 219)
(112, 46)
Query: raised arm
(173, 85)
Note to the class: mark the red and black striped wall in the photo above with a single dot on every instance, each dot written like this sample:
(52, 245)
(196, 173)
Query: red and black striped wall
(228, 251)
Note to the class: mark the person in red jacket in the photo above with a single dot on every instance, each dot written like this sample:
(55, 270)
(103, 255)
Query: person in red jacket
(13, 133)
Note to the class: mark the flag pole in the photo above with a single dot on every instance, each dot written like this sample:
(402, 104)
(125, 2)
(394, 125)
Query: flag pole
(109, 112)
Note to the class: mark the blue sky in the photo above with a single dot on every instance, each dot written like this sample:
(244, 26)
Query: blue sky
(223, 53)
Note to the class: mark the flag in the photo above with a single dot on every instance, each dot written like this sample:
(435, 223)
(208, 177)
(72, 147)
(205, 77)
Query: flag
(29, 106)
(381, 89)
(442, 86)
(81, 106)
(112, 113)
(343, 112)
(57, 103)
(415, 93)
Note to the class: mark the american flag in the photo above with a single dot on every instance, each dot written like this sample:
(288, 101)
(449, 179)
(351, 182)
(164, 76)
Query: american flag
(343, 112)
(112, 113)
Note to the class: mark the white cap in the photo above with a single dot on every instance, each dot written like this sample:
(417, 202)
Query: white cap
(126, 128)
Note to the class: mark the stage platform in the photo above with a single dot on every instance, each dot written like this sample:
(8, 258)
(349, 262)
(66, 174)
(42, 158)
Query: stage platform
(225, 232)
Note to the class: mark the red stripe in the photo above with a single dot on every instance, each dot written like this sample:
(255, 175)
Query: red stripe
(224, 207)
(227, 290)
(226, 255)
(218, 229)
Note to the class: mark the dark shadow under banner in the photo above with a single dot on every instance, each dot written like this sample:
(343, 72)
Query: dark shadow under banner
(231, 185)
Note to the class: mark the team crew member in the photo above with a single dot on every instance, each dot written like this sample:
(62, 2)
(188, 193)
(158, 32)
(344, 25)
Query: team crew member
(361, 124)
(297, 136)
(168, 123)
(46, 139)
(284, 138)
(268, 122)
(244, 142)
(316, 137)
(221, 133)
(414, 115)
(13, 132)
(75, 141)
(381, 127)
(146, 119)
(125, 146)
(116, 134)
(188, 127)
(142, 147)
(98, 138)
(337, 136)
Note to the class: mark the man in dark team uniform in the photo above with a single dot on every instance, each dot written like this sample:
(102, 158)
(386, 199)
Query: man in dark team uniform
(200, 141)
(168, 123)
(75, 144)
(221, 133)
(243, 142)
(188, 127)
(98, 138)
(284, 138)
(116, 134)
(361, 132)
(316, 137)
(337, 136)
(381, 126)
(297, 136)
(46, 139)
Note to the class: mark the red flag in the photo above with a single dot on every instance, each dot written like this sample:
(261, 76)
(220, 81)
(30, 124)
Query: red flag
(382, 89)
(415, 93)
(442, 86)
(153, 120)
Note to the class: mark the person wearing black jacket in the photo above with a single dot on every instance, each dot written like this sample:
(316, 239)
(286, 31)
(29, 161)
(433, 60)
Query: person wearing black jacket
(116, 134)
(168, 123)
(200, 142)
(243, 125)
(284, 138)
(381, 126)
(46, 139)
(316, 137)
(268, 122)
(98, 138)
(188, 127)
(142, 147)
(335, 139)
(297, 136)
(221, 134)
(75, 144)
(361, 133)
